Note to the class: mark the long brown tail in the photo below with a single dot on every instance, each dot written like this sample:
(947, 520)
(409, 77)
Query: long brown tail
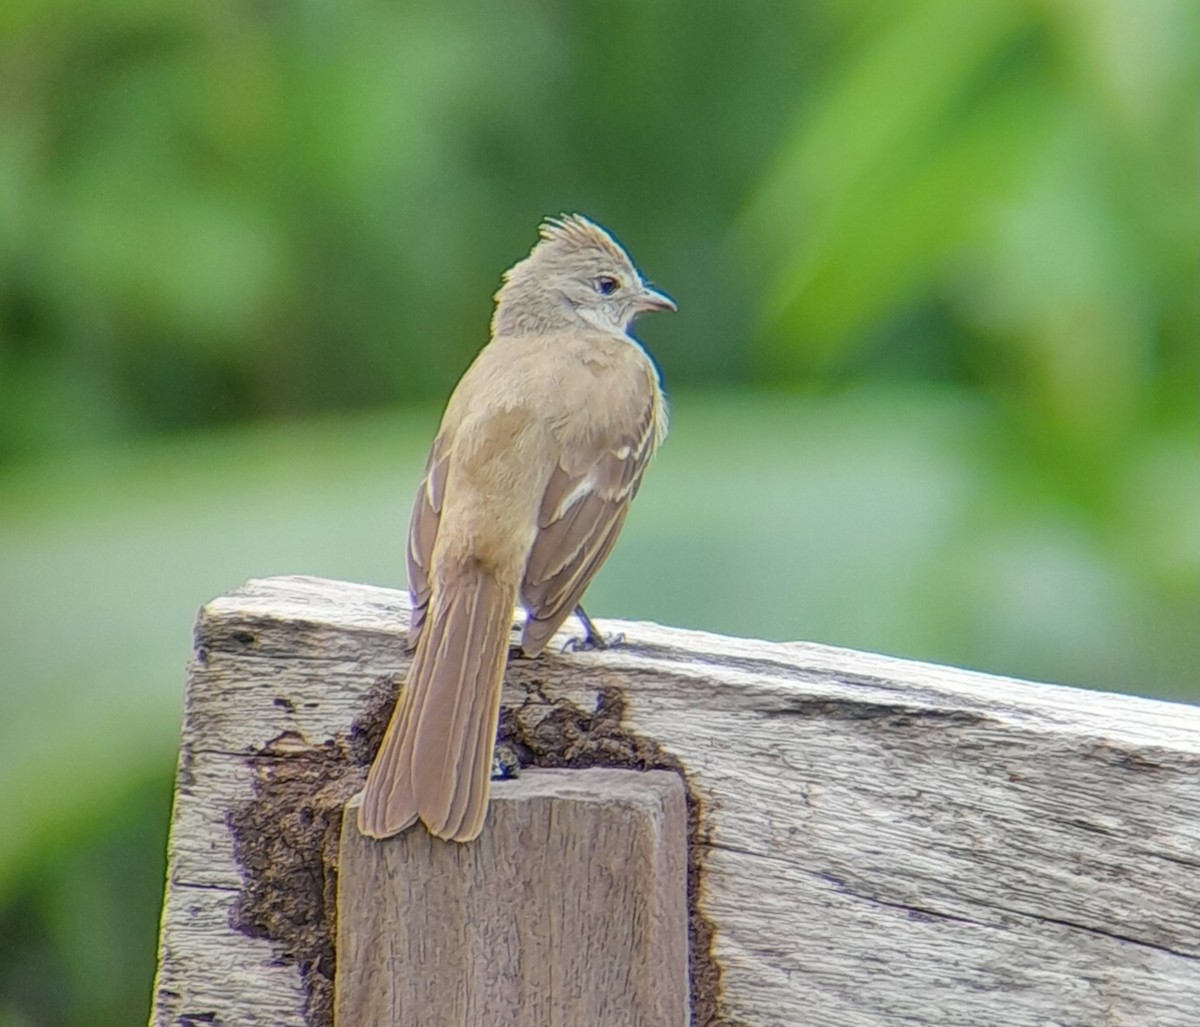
(435, 762)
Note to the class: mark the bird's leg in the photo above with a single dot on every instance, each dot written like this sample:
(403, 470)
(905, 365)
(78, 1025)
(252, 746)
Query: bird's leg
(592, 639)
(505, 762)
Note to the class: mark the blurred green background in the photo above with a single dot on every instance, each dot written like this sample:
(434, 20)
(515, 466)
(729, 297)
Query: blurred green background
(934, 374)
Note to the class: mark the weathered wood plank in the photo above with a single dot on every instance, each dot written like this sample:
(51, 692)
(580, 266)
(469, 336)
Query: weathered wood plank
(209, 974)
(879, 839)
(571, 908)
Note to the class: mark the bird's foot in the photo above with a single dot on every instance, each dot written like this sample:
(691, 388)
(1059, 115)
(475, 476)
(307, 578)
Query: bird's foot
(590, 642)
(505, 764)
(592, 638)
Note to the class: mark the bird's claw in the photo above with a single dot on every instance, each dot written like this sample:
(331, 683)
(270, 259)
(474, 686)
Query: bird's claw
(591, 642)
(505, 764)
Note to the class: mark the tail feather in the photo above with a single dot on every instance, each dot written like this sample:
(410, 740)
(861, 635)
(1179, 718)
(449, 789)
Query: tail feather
(436, 758)
(388, 803)
(456, 731)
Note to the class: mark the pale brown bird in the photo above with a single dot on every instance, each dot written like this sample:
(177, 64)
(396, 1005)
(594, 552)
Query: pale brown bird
(540, 451)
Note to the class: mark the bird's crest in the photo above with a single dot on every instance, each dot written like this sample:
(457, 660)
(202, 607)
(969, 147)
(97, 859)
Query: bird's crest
(577, 232)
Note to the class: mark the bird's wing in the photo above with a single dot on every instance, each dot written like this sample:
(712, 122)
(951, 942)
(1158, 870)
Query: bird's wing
(581, 514)
(422, 530)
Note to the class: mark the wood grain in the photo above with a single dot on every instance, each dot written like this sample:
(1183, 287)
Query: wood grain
(571, 908)
(874, 840)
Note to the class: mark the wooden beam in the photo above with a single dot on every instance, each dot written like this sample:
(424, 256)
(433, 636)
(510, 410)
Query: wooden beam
(571, 908)
(872, 840)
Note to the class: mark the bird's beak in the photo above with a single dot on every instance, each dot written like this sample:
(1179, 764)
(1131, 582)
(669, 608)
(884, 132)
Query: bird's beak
(652, 299)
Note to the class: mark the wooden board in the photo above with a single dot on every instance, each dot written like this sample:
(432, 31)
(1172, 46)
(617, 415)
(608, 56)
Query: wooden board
(874, 840)
(571, 908)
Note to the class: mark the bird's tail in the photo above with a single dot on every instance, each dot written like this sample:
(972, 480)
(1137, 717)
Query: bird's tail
(435, 762)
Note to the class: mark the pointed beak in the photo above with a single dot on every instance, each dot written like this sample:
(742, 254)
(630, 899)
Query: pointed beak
(652, 299)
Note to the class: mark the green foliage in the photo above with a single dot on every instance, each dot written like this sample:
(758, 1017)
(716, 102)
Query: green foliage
(220, 212)
(76, 944)
(940, 256)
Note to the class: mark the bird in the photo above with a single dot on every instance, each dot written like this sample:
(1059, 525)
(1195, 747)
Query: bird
(540, 451)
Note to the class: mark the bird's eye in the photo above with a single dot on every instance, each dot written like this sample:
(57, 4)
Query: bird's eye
(606, 285)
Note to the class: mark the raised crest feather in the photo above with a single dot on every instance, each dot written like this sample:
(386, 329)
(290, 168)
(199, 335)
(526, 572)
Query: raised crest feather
(576, 230)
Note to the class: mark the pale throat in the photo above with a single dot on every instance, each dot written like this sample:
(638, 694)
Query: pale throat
(597, 319)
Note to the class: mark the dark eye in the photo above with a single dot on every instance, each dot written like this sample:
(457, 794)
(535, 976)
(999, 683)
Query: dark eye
(606, 285)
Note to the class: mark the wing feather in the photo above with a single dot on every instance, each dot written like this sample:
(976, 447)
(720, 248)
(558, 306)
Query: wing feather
(422, 531)
(581, 514)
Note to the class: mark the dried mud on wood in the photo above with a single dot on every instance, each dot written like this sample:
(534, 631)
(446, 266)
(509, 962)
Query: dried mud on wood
(285, 842)
(286, 837)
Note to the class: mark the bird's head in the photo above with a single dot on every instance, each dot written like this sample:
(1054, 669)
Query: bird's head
(576, 274)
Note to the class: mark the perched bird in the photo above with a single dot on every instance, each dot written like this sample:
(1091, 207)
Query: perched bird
(541, 449)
